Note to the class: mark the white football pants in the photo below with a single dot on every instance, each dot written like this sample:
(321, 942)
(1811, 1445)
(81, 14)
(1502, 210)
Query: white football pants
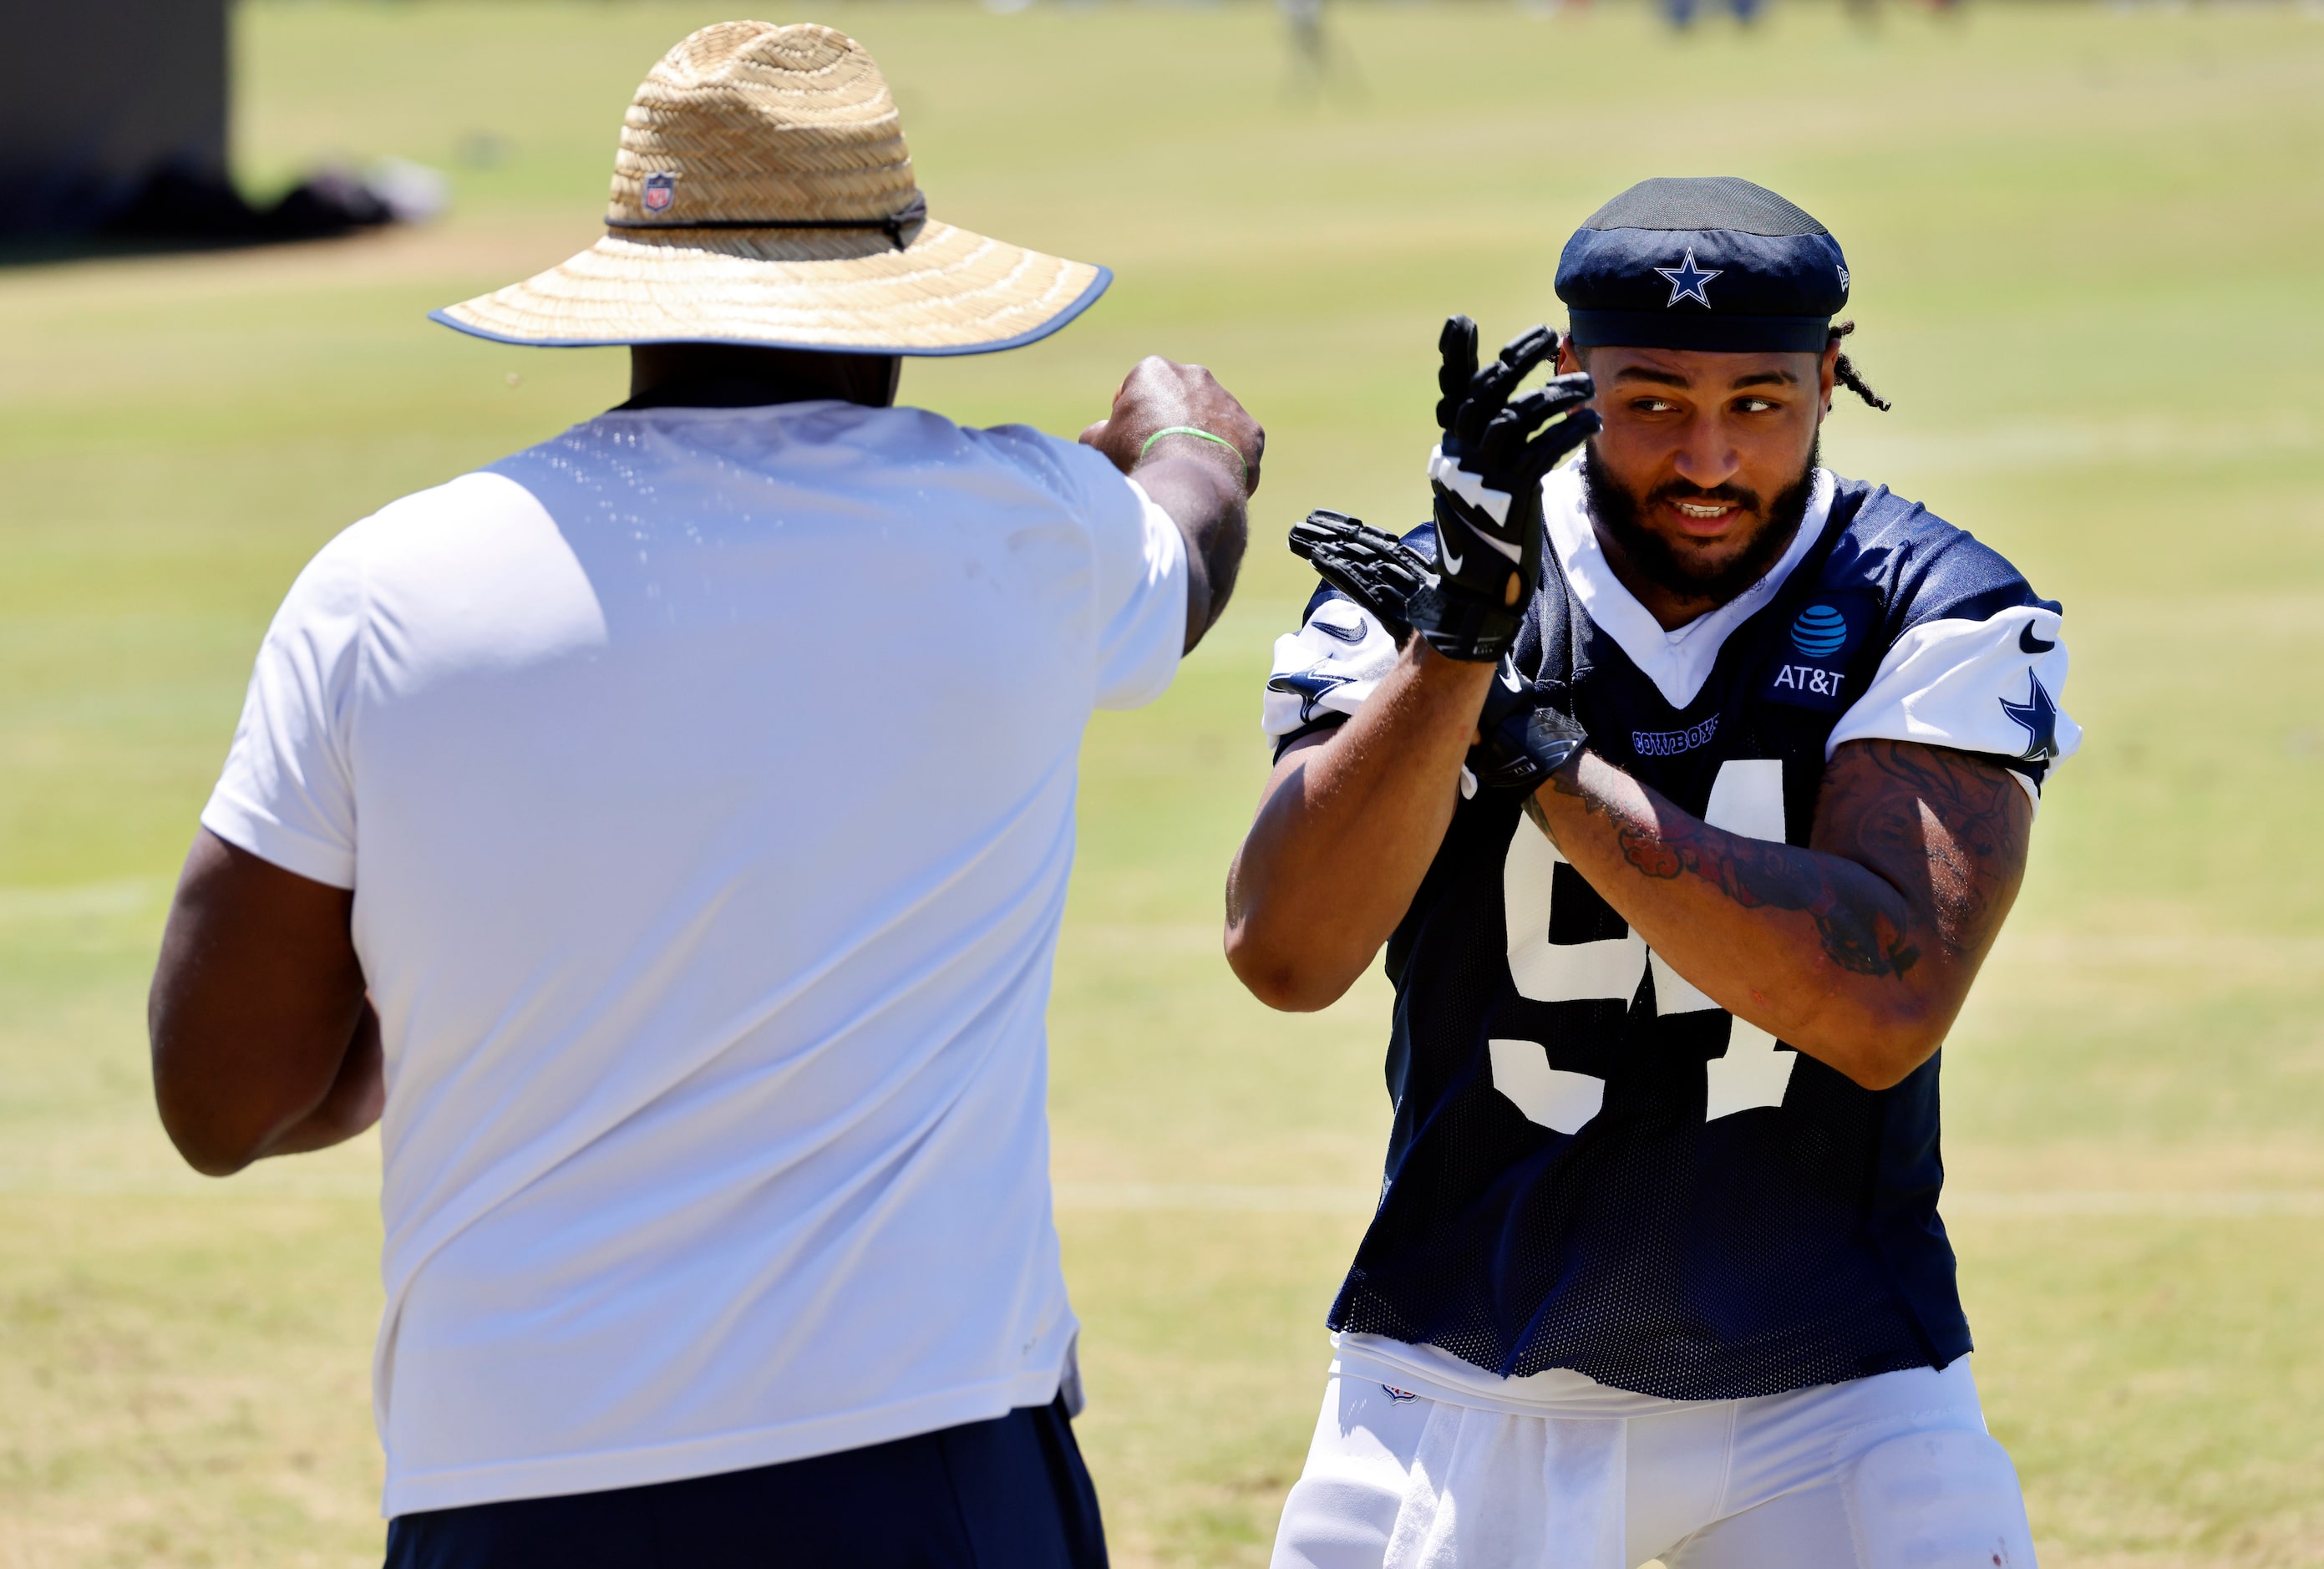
(1884, 1472)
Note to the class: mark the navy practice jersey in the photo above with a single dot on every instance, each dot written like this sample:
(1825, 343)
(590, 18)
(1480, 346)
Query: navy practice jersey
(1592, 1166)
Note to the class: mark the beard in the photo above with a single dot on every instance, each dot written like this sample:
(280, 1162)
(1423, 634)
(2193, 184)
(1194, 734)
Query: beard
(1619, 513)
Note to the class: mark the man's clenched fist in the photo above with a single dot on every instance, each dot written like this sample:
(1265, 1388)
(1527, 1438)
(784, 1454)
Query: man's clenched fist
(1161, 396)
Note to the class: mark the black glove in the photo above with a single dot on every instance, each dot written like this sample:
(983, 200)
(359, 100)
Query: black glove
(1370, 566)
(1525, 737)
(1487, 476)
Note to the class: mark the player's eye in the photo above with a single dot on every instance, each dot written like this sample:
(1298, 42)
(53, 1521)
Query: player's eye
(1752, 405)
(1653, 405)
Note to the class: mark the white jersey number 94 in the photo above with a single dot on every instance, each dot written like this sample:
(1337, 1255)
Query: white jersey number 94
(1746, 798)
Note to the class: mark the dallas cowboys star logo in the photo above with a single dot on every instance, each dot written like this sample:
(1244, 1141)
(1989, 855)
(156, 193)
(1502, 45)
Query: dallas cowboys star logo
(1687, 281)
(2038, 717)
(1310, 687)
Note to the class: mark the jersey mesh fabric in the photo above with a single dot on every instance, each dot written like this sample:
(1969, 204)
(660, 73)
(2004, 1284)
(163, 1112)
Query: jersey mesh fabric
(1628, 1252)
(1653, 1246)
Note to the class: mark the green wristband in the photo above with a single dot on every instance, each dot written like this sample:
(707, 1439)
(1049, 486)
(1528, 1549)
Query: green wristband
(1193, 430)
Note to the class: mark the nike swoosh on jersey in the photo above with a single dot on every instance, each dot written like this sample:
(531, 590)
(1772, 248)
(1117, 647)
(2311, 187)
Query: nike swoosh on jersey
(2028, 644)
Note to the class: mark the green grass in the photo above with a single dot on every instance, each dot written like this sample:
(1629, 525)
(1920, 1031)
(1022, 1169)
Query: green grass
(2085, 250)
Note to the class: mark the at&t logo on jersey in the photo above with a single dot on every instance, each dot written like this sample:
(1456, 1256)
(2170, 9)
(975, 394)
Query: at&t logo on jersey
(1810, 670)
(1811, 681)
(1819, 631)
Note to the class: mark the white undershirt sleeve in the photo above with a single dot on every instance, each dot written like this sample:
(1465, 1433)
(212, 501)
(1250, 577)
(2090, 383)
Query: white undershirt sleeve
(287, 792)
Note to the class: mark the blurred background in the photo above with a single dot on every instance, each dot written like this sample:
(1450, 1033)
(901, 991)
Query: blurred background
(2088, 247)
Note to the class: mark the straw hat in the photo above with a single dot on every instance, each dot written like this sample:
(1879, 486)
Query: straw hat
(763, 195)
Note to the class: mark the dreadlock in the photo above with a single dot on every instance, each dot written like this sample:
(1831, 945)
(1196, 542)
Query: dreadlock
(1846, 372)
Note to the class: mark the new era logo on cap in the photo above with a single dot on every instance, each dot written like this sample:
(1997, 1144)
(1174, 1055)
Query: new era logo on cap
(660, 192)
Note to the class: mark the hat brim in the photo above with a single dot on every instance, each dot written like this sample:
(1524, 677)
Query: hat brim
(949, 291)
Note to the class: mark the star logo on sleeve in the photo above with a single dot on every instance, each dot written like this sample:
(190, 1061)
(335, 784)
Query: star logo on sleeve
(2038, 717)
(1310, 687)
(1687, 281)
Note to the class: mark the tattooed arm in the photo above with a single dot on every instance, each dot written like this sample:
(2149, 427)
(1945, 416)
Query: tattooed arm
(1858, 949)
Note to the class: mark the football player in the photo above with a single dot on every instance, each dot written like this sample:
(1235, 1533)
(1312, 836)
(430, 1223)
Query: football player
(1687, 786)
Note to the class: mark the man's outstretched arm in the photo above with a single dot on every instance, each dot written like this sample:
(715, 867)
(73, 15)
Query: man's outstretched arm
(263, 1043)
(1858, 949)
(1201, 480)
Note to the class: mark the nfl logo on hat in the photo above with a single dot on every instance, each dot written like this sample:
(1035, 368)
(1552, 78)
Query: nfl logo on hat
(661, 191)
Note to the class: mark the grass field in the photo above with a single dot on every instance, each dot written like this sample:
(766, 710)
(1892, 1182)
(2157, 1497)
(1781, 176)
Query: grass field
(2088, 252)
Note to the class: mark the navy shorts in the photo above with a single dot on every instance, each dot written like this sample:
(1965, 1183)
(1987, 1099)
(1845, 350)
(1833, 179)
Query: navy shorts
(1010, 1493)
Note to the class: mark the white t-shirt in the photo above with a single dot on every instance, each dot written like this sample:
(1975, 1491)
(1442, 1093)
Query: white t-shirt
(706, 781)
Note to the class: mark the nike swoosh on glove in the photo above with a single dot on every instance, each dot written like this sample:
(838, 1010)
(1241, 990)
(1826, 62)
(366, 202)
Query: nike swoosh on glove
(1526, 737)
(1370, 566)
(1486, 477)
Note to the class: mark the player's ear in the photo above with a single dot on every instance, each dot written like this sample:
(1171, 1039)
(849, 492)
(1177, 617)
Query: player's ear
(1828, 375)
(1569, 358)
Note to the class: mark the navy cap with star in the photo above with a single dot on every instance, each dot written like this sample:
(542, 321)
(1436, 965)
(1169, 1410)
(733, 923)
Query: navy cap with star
(1711, 264)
